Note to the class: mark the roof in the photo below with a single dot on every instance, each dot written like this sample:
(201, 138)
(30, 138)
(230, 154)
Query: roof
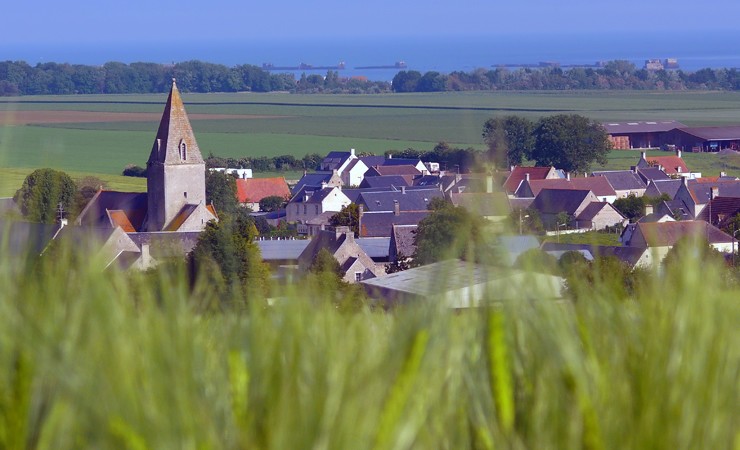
(376, 224)
(313, 194)
(404, 236)
(383, 181)
(174, 131)
(373, 160)
(670, 164)
(332, 240)
(701, 192)
(641, 126)
(427, 180)
(252, 190)
(313, 179)
(513, 246)
(554, 201)
(520, 203)
(334, 160)
(666, 234)
(722, 209)
(180, 218)
(658, 187)
(392, 170)
(18, 238)
(675, 208)
(131, 204)
(375, 247)
(651, 173)
(623, 180)
(408, 200)
(461, 284)
(283, 249)
(321, 219)
(592, 210)
(493, 204)
(518, 174)
(119, 218)
(167, 243)
(598, 185)
(728, 133)
(629, 255)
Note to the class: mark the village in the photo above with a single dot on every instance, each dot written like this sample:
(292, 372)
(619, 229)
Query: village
(366, 211)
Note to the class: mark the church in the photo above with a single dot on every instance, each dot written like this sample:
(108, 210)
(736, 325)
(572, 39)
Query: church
(171, 214)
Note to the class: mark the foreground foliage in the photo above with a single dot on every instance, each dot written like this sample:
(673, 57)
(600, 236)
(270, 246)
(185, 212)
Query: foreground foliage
(116, 360)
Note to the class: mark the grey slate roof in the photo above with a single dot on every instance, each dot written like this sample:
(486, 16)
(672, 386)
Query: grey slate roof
(383, 181)
(623, 180)
(591, 210)
(17, 238)
(375, 247)
(334, 160)
(377, 224)
(316, 194)
(427, 180)
(311, 179)
(658, 187)
(282, 250)
(133, 204)
(651, 173)
(629, 255)
(404, 236)
(411, 200)
(553, 201)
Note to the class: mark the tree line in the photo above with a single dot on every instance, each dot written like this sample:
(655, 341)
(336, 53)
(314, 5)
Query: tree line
(615, 75)
(20, 78)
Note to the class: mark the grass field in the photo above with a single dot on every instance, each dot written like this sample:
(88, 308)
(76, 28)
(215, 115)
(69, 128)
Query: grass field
(275, 124)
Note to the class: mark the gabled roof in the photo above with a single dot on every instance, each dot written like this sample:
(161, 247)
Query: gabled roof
(623, 180)
(383, 181)
(651, 173)
(493, 204)
(380, 224)
(728, 133)
(666, 234)
(658, 187)
(641, 126)
(18, 238)
(334, 160)
(119, 218)
(427, 180)
(132, 205)
(670, 164)
(675, 208)
(180, 218)
(701, 192)
(629, 255)
(373, 160)
(519, 174)
(375, 247)
(554, 201)
(174, 131)
(598, 185)
(167, 244)
(408, 200)
(315, 194)
(403, 237)
(592, 210)
(375, 171)
(282, 250)
(722, 210)
(252, 190)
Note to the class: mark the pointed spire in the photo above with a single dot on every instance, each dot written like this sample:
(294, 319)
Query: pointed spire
(175, 142)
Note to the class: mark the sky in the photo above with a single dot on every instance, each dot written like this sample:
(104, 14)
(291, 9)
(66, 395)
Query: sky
(39, 22)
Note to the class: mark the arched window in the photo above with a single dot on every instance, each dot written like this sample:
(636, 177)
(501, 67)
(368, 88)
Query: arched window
(183, 150)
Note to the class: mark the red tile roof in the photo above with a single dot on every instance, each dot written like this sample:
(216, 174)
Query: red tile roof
(120, 219)
(252, 190)
(670, 164)
(519, 174)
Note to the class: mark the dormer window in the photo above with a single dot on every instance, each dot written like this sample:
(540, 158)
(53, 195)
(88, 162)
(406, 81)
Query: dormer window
(183, 150)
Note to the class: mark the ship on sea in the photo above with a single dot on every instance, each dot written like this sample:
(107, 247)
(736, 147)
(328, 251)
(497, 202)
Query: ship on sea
(396, 65)
(303, 66)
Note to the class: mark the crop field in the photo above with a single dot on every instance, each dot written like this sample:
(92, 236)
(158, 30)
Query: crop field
(102, 134)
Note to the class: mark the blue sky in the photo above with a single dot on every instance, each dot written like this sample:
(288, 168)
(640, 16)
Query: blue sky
(140, 21)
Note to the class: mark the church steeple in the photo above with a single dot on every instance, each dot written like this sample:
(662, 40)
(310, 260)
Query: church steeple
(175, 170)
(175, 142)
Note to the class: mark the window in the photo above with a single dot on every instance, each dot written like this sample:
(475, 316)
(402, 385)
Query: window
(358, 276)
(183, 150)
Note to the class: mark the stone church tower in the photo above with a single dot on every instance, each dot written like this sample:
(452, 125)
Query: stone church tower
(175, 170)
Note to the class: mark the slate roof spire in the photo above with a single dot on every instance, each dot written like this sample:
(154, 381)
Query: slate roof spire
(175, 142)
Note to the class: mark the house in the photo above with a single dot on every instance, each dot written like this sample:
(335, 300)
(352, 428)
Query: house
(660, 237)
(600, 186)
(600, 215)
(658, 188)
(408, 172)
(337, 161)
(553, 202)
(371, 161)
(381, 223)
(639, 134)
(404, 200)
(624, 182)
(176, 195)
(353, 261)
(519, 174)
(384, 181)
(330, 178)
(648, 174)
(457, 284)
(697, 194)
(251, 191)
(312, 201)
(720, 211)
(353, 173)
(672, 165)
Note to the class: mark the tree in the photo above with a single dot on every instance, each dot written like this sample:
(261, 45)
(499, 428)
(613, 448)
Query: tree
(528, 221)
(42, 192)
(570, 142)
(272, 203)
(631, 207)
(349, 216)
(509, 139)
(87, 187)
(221, 191)
(451, 232)
(406, 81)
(325, 262)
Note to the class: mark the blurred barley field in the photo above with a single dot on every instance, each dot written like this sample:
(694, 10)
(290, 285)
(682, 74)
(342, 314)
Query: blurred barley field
(110, 359)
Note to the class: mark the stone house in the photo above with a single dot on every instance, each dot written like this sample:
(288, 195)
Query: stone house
(353, 261)
(312, 201)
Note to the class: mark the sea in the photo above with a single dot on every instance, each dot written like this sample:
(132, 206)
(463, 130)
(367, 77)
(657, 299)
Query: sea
(445, 54)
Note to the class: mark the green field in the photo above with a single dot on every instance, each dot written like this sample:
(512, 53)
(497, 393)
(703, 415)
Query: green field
(300, 124)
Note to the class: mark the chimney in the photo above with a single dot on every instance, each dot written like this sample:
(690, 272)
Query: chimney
(678, 169)
(714, 192)
(648, 209)
(685, 181)
(334, 172)
(403, 190)
(678, 153)
(512, 168)
(489, 184)
(723, 174)
(305, 172)
(352, 152)
(344, 230)
(567, 176)
(526, 176)
(146, 257)
(643, 155)
(360, 213)
(396, 208)
(323, 184)
(390, 156)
